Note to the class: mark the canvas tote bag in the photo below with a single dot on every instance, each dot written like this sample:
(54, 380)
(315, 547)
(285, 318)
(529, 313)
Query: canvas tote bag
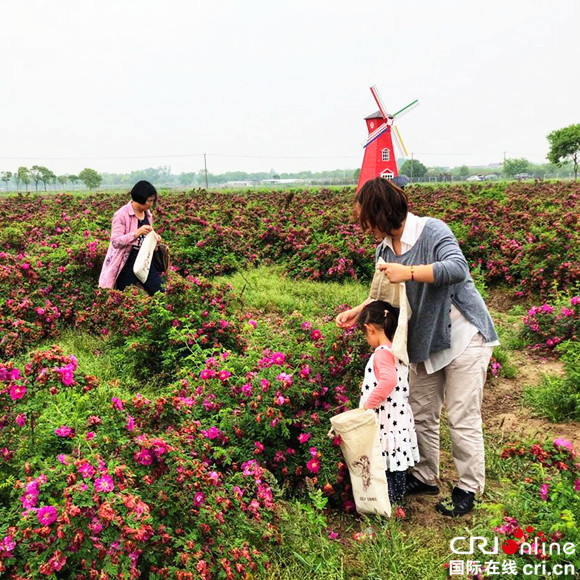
(361, 447)
(395, 294)
(144, 256)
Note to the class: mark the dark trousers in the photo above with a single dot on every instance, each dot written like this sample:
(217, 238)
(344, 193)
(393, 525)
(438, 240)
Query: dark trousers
(127, 277)
(396, 483)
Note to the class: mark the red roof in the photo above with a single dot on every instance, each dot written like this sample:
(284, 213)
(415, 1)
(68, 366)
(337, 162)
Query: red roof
(377, 115)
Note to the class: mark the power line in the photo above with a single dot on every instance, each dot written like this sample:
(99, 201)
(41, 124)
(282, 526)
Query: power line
(285, 157)
(122, 157)
(182, 155)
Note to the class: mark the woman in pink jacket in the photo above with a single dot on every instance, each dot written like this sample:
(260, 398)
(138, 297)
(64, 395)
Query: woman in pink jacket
(131, 224)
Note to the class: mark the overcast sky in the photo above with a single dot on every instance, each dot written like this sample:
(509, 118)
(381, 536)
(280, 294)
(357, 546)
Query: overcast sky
(119, 85)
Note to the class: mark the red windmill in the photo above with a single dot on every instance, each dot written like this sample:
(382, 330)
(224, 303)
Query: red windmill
(379, 158)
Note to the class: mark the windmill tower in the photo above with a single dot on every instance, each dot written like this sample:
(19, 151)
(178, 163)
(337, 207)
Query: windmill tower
(379, 158)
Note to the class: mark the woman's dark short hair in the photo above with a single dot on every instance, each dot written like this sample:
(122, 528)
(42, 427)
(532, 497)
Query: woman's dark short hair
(142, 191)
(382, 205)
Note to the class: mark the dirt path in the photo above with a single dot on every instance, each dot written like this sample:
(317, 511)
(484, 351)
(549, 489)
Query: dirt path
(506, 417)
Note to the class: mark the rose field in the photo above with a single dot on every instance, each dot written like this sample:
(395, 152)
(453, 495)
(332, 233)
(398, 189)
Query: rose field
(185, 436)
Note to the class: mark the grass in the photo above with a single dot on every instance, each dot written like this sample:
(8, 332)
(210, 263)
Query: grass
(385, 550)
(96, 357)
(558, 397)
(555, 398)
(508, 326)
(91, 352)
(396, 553)
(267, 289)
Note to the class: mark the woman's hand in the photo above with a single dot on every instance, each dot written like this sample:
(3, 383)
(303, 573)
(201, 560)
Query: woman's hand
(395, 273)
(142, 231)
(347, 318)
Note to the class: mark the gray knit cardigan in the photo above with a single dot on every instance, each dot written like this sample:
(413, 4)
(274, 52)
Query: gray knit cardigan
(430, 327)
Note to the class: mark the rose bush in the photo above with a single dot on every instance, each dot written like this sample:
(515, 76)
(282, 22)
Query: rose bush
(548, 325)
(118, 489)
(544, 506)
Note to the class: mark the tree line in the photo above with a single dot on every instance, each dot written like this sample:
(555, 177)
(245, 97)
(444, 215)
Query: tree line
(38, 174)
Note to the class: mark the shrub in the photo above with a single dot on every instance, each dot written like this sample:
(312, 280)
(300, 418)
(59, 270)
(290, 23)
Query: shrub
(544, 504)
(548, 325)
(557, 397)
(119, 487)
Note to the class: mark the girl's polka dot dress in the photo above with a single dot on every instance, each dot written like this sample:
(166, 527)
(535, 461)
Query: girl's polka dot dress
(395, 418)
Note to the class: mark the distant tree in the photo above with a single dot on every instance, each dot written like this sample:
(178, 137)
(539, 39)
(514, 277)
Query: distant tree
(73, 179)
(565, 146)
(36, 175)
(511, 167)
(6, 177)
(90, 178)
(413, 168)
(153, 175)
(356, 174)
(463, 171)
(41, 173)
(235, 176)
(46, 176)
(188, 178)
(62, 179)
(23, 174)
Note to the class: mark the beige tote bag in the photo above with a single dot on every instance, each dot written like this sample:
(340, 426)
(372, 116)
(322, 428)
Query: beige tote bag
(361, 447)
(395, 294)
(144, 256)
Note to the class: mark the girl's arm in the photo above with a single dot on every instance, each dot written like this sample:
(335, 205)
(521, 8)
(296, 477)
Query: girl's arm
(347, 318)
(384, 367)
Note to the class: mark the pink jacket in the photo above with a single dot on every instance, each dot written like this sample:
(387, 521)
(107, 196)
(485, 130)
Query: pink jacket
(124, 224)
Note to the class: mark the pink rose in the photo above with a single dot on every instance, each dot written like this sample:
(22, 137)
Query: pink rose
(46, 515)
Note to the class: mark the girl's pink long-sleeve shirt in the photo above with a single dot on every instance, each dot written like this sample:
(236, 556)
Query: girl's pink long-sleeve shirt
(125, 222)
(384, 368)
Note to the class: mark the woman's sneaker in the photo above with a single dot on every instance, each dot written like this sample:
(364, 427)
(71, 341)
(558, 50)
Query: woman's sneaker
(414, 486)
(461, 502)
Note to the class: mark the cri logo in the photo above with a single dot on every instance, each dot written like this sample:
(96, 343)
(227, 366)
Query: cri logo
(508, 546)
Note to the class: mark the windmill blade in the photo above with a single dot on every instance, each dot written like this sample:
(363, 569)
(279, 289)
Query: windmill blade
(378, 131)
(380, 103)
(399, 142)
(406, 109)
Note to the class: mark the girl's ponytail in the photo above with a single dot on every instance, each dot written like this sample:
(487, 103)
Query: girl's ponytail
(381, 314)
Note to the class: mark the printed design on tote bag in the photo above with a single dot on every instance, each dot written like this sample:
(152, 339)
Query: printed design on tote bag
(363, 468)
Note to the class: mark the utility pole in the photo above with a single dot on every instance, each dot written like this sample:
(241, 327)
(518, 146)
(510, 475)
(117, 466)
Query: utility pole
(205, 170)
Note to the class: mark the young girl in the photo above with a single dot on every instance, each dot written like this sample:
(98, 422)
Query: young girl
(386, 390)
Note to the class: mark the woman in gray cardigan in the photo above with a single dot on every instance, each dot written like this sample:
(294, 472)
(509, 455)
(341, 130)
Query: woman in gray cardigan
(450, 337)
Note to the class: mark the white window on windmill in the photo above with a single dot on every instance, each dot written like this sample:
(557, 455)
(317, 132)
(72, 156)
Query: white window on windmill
(386, 154)
(387, 174)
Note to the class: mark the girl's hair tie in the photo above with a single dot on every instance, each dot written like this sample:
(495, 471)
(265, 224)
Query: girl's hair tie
(386, 313)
